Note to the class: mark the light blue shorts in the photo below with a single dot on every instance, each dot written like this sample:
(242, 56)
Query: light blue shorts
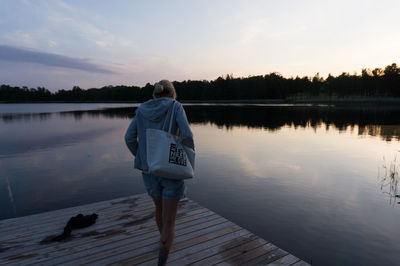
(163, 188)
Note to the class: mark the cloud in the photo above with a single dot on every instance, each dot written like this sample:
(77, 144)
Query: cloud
(52, 43)
(14, 54)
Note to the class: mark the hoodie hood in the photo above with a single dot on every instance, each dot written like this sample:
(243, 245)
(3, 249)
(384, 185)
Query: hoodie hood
(155, 109)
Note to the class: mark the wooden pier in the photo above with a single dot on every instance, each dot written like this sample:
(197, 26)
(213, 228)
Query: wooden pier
(125, 233)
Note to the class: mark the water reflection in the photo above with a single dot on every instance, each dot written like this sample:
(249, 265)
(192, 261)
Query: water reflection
(11, 197)
(382, 122)
(8, 118)
(125, 112)
(371, 121)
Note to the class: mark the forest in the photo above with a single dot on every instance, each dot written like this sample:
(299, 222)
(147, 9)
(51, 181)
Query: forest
(377, 82)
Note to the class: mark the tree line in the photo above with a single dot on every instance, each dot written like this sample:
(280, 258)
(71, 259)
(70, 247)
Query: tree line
(370, 83)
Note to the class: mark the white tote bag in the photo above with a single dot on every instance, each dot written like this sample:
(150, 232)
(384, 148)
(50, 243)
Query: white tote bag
(166, 156)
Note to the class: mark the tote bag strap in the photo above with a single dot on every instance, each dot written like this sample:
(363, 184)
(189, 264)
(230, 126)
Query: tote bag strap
(171, 119)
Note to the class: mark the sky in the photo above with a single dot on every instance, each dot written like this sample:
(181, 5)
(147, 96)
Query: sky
(93, 43)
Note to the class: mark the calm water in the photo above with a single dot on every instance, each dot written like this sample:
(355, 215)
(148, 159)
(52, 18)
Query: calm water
(308, 179)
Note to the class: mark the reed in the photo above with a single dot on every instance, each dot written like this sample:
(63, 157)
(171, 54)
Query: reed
(389, 180)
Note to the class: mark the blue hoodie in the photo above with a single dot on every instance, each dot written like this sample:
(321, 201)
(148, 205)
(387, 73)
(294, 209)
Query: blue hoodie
(156, 113)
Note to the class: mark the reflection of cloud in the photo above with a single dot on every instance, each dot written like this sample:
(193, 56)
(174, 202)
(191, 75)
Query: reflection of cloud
(14, 54)
(249, 165)
(16, 147)
(258, 167)
(284, 164)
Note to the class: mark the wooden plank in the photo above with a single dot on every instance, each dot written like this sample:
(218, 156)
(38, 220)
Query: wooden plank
(58, 224)
(116, 201)
(98, 227)
(103, 245)
(285, 261)
(300, 263)
(126, 233)
(227, 254)
(102, 217)
(269, 257)
(132, 247)
(250, 254)
(96, 239)
(66, 253)
(206, 249)
(186, 241)
(102, 221)
(72, 246)
(20, 220)
(53, 216)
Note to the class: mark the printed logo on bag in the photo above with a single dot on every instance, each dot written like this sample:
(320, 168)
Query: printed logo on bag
(176, 156)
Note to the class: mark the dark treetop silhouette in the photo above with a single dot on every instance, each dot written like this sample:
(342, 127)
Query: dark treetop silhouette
(371, 83)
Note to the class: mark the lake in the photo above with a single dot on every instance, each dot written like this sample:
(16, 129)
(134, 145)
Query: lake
(317, 181)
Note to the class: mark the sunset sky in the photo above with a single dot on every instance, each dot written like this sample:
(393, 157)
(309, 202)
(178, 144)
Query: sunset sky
(58, 44)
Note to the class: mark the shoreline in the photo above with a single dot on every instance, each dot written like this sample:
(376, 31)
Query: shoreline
(334, 101)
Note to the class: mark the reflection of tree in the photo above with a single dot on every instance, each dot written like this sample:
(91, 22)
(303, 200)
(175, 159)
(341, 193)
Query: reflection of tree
(119, 112)
(381, 122)
(371, 121)
(7, 118)
(389, 180)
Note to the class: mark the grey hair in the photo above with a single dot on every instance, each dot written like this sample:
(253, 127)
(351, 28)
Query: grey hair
(164, 88)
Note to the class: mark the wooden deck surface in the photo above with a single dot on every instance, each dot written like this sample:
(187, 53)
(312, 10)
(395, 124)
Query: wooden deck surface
(125, 233)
